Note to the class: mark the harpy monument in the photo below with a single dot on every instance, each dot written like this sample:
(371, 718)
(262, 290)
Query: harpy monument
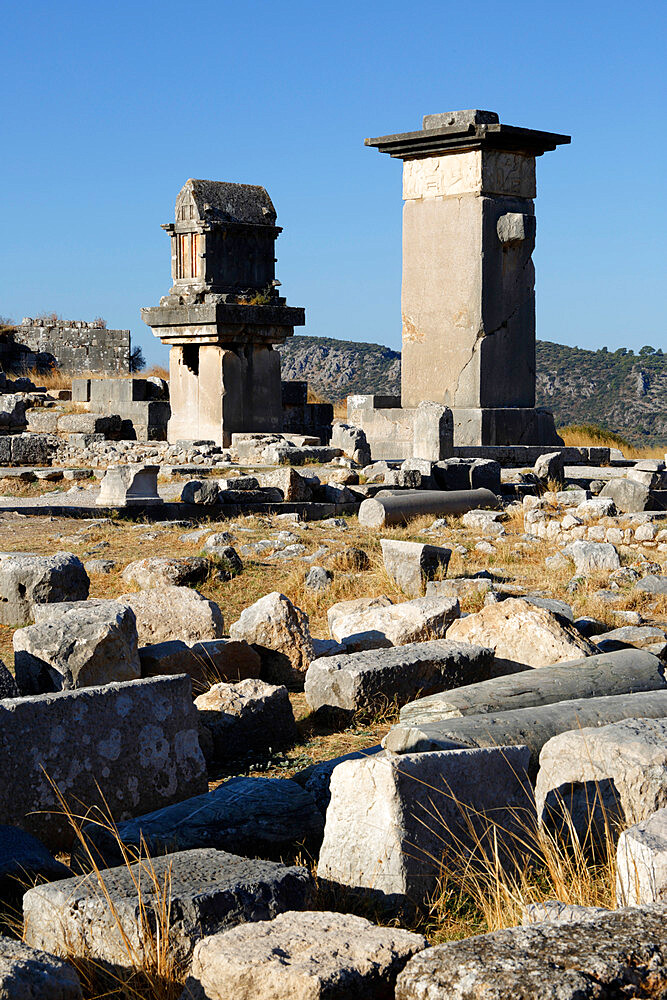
(223, 315)
(468, 289)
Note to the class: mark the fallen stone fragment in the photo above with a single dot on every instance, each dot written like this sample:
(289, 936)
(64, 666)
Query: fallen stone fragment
(522, 635)
(293, 487)
(129, 486)
(167, 613)
(637, 636)
(249, 715)
(621, 672)
(207, 662)
(209, 891)
(641, 862)
(27, 580)
(384, 511)
(158, 571)
(592, 557)
(652, 584)
(24, 861)
(8, 686)
(573, 961)
(391, 819)
(249, 816)
(372, 679)
(410, 621)
(29, 974)
(610, 774)
(411, 564)
(343, 608)
(79, 648)
(318, 578)
(280, 633)
(550, 467)
(554, 912)
(204, 491)
(629, 496)
(135, 743)
(303, 956)
(529, 726)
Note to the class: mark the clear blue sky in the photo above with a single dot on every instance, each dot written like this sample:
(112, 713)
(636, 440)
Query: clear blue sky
(108, 108)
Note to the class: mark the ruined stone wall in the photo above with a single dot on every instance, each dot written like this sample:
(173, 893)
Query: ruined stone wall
(75, 347)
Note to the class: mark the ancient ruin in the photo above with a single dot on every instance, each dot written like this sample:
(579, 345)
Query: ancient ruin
(223, 314)
(468, 293)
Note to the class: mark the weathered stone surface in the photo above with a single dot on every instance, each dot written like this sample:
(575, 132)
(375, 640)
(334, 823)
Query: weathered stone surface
(411, 621)
(550, 467)
(29, 974)
(621, 672)
(137, 742)
(638, 636)
(280, 633)
(26, 580)
(79, 648)
(369, 679)
(8, 686)
(384, 511)
(352, 441)
(248, 715)
(641, 862)
(318, 578)
(619, 770)
(206, 662)
(204, 491)
(529, 726)
(316, 778)
(303, 956)
(628, 496)
(12, 412)
(210, 891)
(24, 861)
(174, 613)
(592, 557)
(553, 911)
(293, 487)
(596, 959)
(158, 571)
(343, 608)
(652, 584)
(129, 486)
(433, 431)
(390, 818)
(522, 635)
(248, 816)
(411, 564)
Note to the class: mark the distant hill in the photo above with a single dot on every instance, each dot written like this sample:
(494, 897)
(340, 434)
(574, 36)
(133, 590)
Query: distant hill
(620, 390)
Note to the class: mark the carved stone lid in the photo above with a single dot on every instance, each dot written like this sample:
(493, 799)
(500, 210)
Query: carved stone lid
(222, 201)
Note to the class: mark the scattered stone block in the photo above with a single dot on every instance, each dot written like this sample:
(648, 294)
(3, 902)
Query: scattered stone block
(387, 510)
(248, 816)
(167, 613)
(93, 566)
(304, 956)
(637, 636)
(159, 571)
(129, 486)
(593, 557)
(12, 413)
(343, 608)
(27, 580)
(530, 726)
(433, 431)
(390, 819)
(352, 442)
(280, 633)
(522, 635)
(410, 621)
(204, 491)
(293, 487)
(550, 467)
(621, 672)
(24, 861)
(249, 715)
(8, 686)
(209, 891)
(641, 862)
(136, 743)
(316, 779)
(371, 679)
(209, 661)
(90, 423)
(563, 961)
(30, 974)
(613, 772)
(485, 474)
(318, 578)
(238, 483)
(79, 648)
(628, 495)
(411, 564)
(651, 584)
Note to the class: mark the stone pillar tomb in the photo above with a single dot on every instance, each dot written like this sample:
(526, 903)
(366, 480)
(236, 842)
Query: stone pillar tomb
(468, 291)
(223, 314)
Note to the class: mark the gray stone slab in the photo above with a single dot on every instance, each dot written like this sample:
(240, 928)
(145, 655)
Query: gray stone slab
(621, 672)
(641, 862)
(27, 579)
(29, 974)
(243, 717)
(571, 961)
(394, 821)
(411, 564)
(210, 891)
(24, 861)
(263, 817)
(136, 743)
(316, 779)
(529, 726)
(372, 678)
(303, 956)
(210, 660)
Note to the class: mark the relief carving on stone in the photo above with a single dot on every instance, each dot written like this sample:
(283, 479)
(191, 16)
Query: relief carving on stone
(439, 176)
(508, 173)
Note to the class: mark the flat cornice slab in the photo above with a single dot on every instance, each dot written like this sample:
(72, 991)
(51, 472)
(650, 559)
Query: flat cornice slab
(451, 139)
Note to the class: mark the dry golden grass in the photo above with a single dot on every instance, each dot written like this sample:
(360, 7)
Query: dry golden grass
(591, 436)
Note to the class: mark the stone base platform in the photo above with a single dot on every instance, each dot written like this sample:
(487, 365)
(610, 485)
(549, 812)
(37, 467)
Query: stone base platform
(389, 427)
(307, 511)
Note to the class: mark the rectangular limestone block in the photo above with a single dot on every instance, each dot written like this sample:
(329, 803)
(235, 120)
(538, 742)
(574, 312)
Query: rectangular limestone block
(136, 743)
